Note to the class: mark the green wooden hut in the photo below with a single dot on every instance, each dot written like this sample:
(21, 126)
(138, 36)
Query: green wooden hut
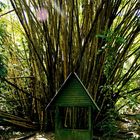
(74, 111)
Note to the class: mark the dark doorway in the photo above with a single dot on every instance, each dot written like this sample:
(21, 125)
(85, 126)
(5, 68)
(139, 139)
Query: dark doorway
(74, 117)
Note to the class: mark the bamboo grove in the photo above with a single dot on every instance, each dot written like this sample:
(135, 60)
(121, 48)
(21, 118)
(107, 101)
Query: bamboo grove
(93, 38)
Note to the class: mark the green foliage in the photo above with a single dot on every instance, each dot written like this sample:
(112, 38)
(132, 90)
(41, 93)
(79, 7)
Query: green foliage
(3, 70)
(2, 6)
(133, 102)
(2, 32)
(109, 126)
(110, 36)
(112, 42)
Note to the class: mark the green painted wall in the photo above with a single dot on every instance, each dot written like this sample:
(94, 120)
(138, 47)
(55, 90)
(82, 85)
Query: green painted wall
(73, 135)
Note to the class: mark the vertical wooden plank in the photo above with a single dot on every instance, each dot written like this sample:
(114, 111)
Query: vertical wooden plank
(90, 121)
(56, 122)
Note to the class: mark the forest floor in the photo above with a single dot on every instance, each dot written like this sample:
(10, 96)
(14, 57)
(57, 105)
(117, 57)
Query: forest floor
(128, 130)
(50, 136)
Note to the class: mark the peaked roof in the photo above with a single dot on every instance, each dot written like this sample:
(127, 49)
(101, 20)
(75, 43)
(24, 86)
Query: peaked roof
(73, 74)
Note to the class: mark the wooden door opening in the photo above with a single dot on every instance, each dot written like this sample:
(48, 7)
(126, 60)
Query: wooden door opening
(74, 117)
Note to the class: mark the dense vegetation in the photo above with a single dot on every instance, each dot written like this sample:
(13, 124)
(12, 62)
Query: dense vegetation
(99, 40)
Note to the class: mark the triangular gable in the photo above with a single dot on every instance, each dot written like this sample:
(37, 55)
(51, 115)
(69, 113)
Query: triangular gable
(73, 92)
